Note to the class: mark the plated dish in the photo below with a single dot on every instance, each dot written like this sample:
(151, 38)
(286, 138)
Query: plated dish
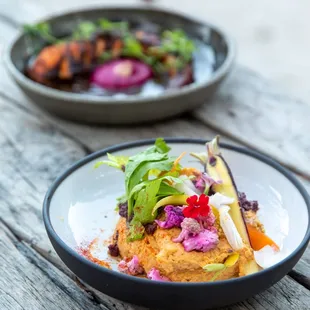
(180, 223)
(81, 219)
(119, 65)
(106, 57)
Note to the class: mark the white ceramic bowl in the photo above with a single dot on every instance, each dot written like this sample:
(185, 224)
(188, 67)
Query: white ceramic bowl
(80, 206)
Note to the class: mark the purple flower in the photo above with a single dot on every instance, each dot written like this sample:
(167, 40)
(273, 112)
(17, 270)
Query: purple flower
(200, 184)
(155, 275)
(131, 267)
(204, 182)
(194, 237)
(174, 217)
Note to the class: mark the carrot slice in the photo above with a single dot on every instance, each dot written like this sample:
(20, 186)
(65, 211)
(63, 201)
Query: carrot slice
(176, 162)
(190, 172)
(259, 240)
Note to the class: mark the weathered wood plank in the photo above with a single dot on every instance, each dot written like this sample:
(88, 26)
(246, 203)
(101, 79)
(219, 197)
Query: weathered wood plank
(262, 117)
(29, 282)
(29, 173)
(32, 155)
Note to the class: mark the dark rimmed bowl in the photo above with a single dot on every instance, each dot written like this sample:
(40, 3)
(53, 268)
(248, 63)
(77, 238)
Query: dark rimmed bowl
(134, 108)
(67, 217)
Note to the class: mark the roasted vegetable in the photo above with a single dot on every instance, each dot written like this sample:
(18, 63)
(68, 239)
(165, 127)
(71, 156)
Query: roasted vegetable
(218, 169)
(259, 239)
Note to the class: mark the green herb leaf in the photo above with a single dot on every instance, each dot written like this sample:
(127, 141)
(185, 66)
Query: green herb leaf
(118, 162)
(106, 24)
(84, 31)
(214, 267)
(38, 35)
(167, 190)
(136, 231)
(162, 146)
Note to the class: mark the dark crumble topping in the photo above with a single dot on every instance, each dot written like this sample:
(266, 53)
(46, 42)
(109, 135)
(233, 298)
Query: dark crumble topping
(246, 204)
(123, 209)
(113, 248)
(150, 228)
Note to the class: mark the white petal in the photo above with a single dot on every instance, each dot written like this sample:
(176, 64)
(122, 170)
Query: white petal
(217, 200)
(232, 235)
(181, 187)
(267, 256)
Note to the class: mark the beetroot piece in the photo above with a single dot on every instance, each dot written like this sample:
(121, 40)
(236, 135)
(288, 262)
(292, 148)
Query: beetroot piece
(121, 74)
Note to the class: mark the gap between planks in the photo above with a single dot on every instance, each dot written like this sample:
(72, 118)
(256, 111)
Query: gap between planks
(39, 132)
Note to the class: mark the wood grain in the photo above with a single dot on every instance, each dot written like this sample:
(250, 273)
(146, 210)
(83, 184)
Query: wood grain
(261, 116)
(29, 282)
(33, 154)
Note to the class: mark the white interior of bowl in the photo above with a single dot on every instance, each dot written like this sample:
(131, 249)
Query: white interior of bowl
(83, 206)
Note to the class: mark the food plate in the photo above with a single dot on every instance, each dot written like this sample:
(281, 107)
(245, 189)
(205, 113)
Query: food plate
(80, 206)
(211, 61)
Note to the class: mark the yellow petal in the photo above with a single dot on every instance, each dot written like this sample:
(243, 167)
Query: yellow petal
(231, 260)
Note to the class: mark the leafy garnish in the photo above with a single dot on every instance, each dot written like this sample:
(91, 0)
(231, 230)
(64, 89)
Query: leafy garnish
(106, 24)
(42, 30)
(176, 41)
(38, 35)
(162, 146)
(84, 31)
(118, 162)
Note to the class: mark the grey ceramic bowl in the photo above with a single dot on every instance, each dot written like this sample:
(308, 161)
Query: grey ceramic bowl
(134, 108)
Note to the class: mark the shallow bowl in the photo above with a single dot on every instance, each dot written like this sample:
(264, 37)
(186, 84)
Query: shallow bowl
(134, 108)
(80, 205)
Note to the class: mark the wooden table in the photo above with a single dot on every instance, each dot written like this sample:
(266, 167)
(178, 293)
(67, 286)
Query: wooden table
(36, 147)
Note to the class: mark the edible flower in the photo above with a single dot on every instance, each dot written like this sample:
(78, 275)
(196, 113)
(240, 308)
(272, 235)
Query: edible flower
(174, 217)
(190, 227)
(203, 242)
(197, 207)
(194, 237)
(155, 275)
(131, 267)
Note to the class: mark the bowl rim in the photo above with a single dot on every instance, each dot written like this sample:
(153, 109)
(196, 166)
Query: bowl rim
(118, 147)
(216, 76)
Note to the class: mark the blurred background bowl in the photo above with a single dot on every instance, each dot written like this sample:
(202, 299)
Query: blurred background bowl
(134, 108)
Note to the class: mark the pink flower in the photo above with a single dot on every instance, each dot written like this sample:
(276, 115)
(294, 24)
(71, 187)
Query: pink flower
(194, 237)
(190, 227)
(155, 275)
(207, 221)
(131, 267)
(203, 242)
